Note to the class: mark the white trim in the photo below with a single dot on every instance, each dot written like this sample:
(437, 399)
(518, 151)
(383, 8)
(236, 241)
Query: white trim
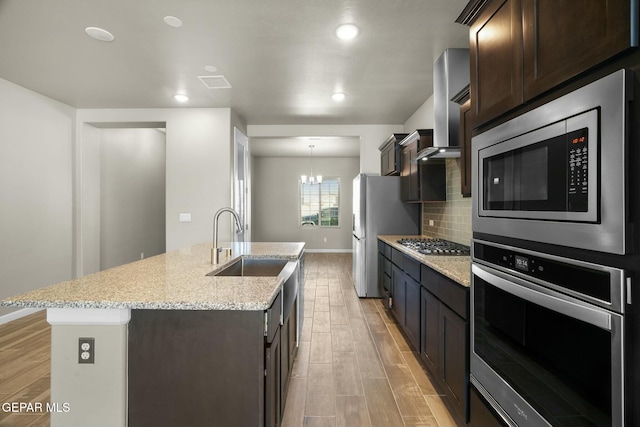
(88, 316)
(328, 251)
(15, 315)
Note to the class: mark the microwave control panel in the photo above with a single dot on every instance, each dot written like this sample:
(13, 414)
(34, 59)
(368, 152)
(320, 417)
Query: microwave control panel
(578, 179)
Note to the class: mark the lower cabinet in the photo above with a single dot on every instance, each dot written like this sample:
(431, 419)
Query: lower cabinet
(412, 311)
(398, 291)
(287, 352)
(204, 368)
(433, 312)
(273, 383)
(444, 345)
(405, 292)
(430, 322)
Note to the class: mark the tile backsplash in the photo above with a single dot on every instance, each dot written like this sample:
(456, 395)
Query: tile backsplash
(451, 219)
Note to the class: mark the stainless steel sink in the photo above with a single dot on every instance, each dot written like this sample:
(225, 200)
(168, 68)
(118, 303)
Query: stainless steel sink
(253, 267)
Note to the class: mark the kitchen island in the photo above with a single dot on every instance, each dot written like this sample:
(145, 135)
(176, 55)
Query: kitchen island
(165, 338)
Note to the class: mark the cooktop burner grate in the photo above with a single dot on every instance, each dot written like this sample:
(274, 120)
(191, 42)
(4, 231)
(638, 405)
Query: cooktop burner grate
(435, 246)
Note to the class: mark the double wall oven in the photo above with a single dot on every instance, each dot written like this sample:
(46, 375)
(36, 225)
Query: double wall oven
(549, 329)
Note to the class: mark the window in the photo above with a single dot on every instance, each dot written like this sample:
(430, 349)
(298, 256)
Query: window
(320, 203)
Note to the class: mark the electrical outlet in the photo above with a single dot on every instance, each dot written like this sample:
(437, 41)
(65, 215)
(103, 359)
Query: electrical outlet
(86, 350)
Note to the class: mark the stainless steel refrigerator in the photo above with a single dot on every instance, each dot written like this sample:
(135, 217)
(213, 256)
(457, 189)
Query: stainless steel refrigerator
(377, 209)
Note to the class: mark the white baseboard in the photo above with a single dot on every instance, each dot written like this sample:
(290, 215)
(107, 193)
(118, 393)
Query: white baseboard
(329, 251)
(15, 315)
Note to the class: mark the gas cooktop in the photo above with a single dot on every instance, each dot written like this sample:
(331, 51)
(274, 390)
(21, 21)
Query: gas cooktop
(435, 246)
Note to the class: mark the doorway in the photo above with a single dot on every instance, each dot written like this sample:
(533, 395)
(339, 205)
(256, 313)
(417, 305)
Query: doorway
(241, 189)
(123, 200)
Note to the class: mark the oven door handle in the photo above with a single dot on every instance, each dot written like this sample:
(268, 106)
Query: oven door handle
(544, 297)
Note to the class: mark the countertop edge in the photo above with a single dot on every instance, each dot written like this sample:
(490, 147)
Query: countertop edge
(456, 268)
(80, 293)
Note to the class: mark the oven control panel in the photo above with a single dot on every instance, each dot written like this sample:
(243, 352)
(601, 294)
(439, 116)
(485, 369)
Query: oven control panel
(594, 283)
(578, 170)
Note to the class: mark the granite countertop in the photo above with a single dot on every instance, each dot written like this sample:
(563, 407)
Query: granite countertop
(457, 268)
(175, 280)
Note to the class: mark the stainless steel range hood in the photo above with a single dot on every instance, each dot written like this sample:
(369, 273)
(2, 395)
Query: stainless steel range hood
(450, 76)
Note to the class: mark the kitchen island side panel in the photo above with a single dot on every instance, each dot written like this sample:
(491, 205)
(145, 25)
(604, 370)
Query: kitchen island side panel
(196, 368)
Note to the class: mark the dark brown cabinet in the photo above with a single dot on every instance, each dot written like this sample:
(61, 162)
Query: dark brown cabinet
(287, 351)
(409, 181)
(201, 367)
(466, 125)
(444, 345)
(520, 49)
(421, 181)
(495, 56)
(398, 294)
(390, 155)
(563, 38)
(273, 382)
(384, 270)
(405, 292)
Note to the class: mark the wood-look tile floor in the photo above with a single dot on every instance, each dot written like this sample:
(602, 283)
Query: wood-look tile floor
(353, 368)
(25, 369)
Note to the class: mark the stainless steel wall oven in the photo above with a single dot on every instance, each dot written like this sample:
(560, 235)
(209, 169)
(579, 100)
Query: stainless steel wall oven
(555, 199)
(548, 337)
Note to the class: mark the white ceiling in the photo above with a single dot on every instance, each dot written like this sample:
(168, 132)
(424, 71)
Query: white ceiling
(326, 146)
(280, 56)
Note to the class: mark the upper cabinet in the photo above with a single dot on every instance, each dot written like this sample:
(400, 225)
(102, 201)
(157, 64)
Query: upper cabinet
(390, 155)
(563, 38)
(495, 44)
(421, 181)
(520, 49)
(466, 124)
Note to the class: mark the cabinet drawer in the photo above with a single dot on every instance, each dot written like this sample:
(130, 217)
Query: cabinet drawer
(384, 249)
(386, 265)
(273, 317)
(397, 258)
(452, 294)
(412, 268)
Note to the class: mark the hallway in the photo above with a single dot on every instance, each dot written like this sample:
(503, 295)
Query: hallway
(354, 367)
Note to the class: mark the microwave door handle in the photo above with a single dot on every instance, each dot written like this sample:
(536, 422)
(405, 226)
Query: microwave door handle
(543, 297)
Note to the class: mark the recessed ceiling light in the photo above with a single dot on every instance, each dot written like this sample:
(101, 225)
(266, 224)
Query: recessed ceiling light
(99, 34)
(210, 69)
(180, 97)
(172, 21)
(347, 32)
(338, 96)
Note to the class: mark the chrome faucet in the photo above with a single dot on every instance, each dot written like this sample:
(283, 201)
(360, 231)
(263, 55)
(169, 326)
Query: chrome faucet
(215, 251)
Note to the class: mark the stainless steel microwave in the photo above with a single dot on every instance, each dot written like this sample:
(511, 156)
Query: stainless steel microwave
(557, 174)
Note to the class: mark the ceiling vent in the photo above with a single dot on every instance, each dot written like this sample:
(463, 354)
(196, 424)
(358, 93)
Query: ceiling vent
(215, 82)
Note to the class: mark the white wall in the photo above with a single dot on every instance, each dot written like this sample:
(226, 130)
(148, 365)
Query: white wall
(36, 135)
(198, 168)
(371, 136)
(422, 118)
(132, 195)
(276, 201)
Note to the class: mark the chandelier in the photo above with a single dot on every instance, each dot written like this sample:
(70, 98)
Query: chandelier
(311, 178)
